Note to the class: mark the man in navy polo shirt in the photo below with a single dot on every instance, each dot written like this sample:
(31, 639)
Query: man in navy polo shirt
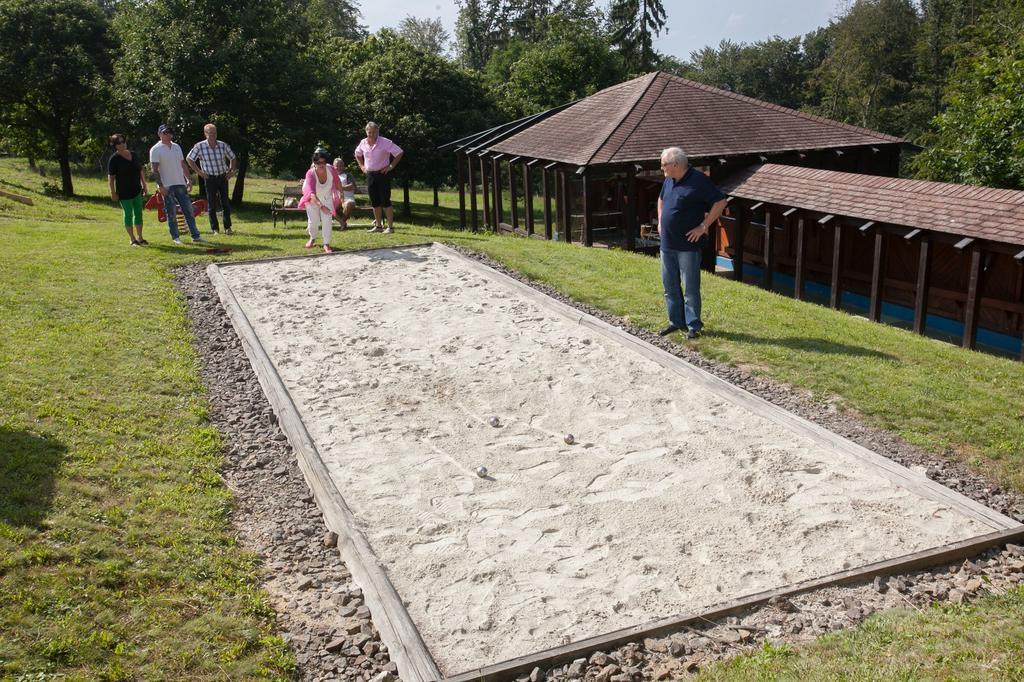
(689, 204)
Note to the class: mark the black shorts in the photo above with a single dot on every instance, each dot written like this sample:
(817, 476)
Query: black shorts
(378, 186)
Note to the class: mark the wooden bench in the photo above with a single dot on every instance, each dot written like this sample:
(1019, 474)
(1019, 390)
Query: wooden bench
(279, 205)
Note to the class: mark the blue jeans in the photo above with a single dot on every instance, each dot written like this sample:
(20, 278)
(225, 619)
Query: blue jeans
(682, 267)
(177, 196)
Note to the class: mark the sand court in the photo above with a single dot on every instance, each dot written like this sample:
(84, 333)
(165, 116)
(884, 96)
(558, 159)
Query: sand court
(678, 493)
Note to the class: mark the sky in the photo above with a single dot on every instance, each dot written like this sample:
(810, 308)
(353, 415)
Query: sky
(692, 24)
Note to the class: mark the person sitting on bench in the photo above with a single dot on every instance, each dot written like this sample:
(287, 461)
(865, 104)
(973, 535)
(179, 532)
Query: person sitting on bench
(348, 192)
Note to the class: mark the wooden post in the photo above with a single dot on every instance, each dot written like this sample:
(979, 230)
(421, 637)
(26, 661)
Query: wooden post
(973, 299)
(462, 190)
(588, 211)
(836, 295)
(563, 181)
(528, 195)
(557, 179)
(709, 252)
(474, 219)
(631, 227)
(1020, 297)
(496, 179)
(513, 205)
(768, 276)
(485, 187)
(924, 282)
(801, 251)
(877, 277)
(743, 213)
(547, 202)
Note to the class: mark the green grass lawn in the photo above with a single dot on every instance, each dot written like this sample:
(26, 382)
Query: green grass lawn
(116, 558)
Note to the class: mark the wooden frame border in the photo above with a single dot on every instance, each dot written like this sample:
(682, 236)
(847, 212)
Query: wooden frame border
(397, 630)
(661, 627)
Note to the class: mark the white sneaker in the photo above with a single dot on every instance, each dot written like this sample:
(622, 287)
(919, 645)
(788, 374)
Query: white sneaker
(177, 241)
(199, 240)
(389, 230)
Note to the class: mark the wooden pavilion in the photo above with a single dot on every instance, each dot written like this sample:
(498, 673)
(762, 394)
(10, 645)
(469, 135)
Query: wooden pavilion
(804, 189)
(595, 163)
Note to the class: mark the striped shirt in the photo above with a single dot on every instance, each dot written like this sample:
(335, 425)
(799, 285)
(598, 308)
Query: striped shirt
(214, 160)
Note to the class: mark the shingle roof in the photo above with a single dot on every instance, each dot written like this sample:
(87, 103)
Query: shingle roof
(636, 120)
(982, 212)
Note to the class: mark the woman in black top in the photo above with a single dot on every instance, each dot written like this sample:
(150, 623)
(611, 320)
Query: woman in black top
(127, 183)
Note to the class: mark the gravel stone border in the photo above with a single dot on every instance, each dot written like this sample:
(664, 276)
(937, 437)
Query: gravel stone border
(321, 611)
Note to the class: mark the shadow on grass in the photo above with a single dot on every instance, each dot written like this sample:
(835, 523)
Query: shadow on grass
(294, 235)
(187, 248)
(28, 468)
(24, 188)
(805, 344)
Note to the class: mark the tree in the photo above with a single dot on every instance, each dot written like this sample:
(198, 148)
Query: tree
(979, 137)
(486, 26)
(868, 76)
(425, 34)
(340, 17)
(944, 26)
(49, 49)
(573, 61)
(477, 32)
(773, 70)
(634, 23)
(420, 100)
(242, 66)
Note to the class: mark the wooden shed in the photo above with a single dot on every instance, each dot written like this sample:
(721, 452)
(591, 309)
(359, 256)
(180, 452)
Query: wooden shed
(939, 257)
(593, 165)
(816, 208)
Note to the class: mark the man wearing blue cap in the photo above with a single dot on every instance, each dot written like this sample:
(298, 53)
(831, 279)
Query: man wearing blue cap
(174, 180)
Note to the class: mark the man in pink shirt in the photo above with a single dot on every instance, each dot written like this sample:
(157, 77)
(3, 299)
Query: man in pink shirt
(377, 156)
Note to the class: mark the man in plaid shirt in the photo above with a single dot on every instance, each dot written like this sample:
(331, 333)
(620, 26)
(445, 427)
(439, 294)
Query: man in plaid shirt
(218, 165)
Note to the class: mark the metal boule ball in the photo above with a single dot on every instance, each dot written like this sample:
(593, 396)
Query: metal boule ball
(494, 421)
(569, 439)
(481, 472)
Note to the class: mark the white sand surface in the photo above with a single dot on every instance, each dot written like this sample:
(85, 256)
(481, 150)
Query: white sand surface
(672, 499)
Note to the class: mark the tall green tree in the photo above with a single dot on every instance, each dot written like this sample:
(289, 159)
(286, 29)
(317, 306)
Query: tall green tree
(575, 21)
(979, 137)
(945, 24)
(486, 26)
(241, 65)
(477, 32)
(774, 70)
(634, 24)
(54, 55)
(420, 101)
(869, 74)
(341, 18)
(572, 61)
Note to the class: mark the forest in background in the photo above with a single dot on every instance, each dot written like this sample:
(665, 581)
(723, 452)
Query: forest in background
(283, 76)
